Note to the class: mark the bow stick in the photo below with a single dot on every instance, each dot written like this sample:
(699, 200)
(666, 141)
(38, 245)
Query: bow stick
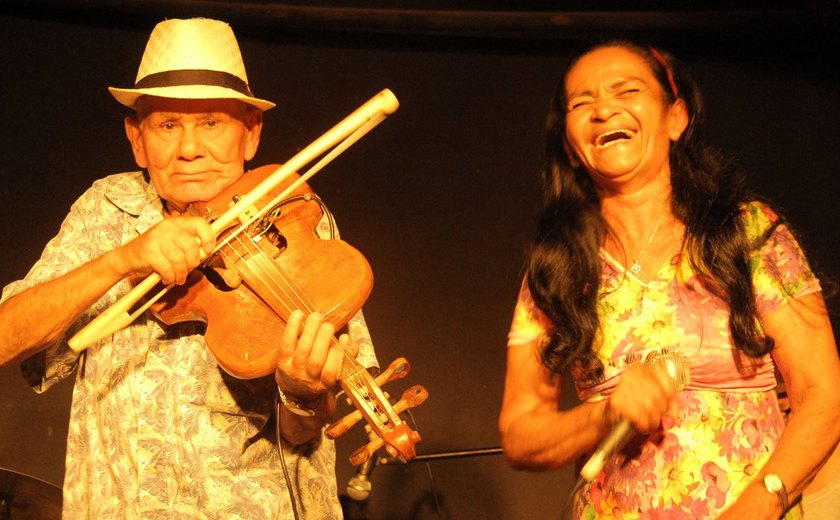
(339, 138)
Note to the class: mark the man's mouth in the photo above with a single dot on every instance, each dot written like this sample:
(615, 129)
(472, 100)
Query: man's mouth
(613, 137)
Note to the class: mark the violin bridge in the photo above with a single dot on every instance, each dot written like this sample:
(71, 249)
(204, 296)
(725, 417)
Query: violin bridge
(247, 214)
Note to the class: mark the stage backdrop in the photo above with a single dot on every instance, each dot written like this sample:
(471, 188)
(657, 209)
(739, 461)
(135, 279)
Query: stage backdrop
(440, 197)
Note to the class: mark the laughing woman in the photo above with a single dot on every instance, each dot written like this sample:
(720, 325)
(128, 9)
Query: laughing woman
(648, 246)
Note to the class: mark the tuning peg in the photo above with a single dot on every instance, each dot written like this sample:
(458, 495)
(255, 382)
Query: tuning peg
(362, 454)
(398, 369)
(340, 427)
(414, 396)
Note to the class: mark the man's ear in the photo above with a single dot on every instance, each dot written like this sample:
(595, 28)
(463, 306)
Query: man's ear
(253, 122)
(677, 119)
(133, 133)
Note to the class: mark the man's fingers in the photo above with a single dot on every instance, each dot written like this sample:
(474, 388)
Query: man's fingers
(290, 335)
(306, 339)
(322, 344)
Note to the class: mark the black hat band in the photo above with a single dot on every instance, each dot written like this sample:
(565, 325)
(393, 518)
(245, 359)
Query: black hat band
(178, 78)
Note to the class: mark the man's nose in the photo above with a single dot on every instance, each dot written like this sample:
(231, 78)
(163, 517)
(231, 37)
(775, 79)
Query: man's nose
(192, 146)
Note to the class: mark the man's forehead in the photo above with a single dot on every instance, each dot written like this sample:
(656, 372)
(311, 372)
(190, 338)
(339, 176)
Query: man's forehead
(147, 105)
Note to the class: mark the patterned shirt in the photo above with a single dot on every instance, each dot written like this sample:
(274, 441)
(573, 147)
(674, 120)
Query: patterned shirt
(729, 422)
(157, 429)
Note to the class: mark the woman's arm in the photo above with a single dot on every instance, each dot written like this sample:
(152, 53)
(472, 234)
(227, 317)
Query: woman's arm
(806, 356)
(536, 435)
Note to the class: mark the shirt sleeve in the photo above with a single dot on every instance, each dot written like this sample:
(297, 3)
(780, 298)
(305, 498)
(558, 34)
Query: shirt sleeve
(529, 322)
(70, 248)
(780, 271)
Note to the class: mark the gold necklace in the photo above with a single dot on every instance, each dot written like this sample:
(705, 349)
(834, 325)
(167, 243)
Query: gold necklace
(635, 267)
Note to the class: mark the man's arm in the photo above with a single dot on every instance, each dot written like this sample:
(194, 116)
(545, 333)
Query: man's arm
(38, 316)
(308, 371)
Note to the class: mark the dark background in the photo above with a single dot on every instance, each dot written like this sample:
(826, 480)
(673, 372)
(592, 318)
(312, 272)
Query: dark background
(440, 197)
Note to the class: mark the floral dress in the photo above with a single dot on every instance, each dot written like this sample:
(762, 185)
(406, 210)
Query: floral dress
(729, 422)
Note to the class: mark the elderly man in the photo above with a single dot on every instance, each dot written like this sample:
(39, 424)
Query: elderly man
(157, 429)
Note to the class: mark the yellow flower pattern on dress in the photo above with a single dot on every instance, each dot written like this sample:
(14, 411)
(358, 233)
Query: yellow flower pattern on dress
(699, 462)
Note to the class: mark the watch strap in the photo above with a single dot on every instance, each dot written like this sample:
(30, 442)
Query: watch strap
(293, 406)
(774, 484)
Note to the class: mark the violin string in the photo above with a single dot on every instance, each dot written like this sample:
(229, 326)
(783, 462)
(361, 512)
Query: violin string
(269, 274)
(285, 293)
(302, 303)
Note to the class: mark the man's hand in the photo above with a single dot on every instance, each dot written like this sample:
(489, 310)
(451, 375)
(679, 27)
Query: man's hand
(310, 358)
(172, 248)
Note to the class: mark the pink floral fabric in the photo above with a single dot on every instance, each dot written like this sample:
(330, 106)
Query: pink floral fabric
(729, 422)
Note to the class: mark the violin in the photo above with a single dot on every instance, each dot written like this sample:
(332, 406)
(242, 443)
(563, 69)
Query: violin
(283, 265)
(269, 262)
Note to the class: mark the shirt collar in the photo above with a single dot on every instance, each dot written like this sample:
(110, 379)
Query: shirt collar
(136, 196)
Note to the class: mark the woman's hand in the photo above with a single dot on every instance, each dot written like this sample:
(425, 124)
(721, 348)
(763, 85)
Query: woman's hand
(643, 395)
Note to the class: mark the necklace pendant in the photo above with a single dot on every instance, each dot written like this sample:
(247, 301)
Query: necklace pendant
(635, 268)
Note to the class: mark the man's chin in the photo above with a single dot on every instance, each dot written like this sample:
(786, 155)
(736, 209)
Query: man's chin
(183, 190)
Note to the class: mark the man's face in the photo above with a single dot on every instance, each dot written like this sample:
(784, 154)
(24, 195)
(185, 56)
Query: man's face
(193, 148)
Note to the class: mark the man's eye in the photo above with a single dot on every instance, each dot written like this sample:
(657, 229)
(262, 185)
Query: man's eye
(211, 123)
(167, 125)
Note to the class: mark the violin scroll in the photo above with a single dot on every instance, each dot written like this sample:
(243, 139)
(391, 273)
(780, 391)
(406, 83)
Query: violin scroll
(384, 426)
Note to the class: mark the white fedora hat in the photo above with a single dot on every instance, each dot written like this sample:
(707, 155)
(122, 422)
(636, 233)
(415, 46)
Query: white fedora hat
(196, 58)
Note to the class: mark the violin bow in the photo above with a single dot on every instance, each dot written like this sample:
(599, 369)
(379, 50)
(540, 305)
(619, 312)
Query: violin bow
(119, 315)
(385, 428)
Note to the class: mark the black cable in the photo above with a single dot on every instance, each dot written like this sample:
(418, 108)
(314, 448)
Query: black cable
(428, 468)
(568, 505)
(306, 197)
(283, 462)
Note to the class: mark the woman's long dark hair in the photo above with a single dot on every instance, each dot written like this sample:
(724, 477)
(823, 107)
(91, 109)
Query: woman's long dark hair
(564, 266)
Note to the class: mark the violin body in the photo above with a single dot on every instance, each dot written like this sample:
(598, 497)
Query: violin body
(287, 267)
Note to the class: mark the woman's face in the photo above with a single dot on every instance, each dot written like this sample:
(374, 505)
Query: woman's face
(618, 122)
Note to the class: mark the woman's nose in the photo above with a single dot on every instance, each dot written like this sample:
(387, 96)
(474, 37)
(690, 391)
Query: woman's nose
(604, 107)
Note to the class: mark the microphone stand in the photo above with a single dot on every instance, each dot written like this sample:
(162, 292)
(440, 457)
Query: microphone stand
(427, 457)
(359, 486)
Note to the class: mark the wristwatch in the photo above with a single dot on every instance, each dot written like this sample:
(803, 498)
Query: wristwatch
(774, 484)
(294, 407)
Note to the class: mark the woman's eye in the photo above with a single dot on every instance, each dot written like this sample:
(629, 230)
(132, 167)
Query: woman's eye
(578, 104)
